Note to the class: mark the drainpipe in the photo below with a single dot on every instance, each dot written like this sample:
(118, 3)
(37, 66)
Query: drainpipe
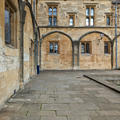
(35, 50)
(21, 45)
(116, 35)
(40, 44)
(37, 67)
(37, 54)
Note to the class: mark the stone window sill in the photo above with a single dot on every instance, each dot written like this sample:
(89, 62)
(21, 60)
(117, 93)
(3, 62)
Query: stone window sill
(56, 54)
(107, 54)
(85, 54)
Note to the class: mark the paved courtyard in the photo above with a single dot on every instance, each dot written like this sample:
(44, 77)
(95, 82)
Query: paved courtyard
(63, 95)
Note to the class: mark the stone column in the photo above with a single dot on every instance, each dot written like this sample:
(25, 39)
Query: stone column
(35, 49)
(112, 54)
(75, 54)
(21, 44)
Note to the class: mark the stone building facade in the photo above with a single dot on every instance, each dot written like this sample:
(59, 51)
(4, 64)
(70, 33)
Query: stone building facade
(78, 34)
(18, 38)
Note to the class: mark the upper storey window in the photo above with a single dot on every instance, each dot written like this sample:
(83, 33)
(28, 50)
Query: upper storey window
(108, 20)
(71, 20)
(52, 15)
(90, 13)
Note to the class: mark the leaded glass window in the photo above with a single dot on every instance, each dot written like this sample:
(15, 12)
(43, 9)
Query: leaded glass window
(54, 48)
(107, 47)
(71, 20)
(90, 16)
(85, 47)
(52, 16)
(7, 27)
(108, 20)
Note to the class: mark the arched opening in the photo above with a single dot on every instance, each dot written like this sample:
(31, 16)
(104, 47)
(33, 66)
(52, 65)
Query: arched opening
(56, 52)
(95, 51)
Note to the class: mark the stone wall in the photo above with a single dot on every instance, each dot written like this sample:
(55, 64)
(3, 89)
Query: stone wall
(28, 39)
(80, 32)
(9, 62)
(77, 7)
(10, 55)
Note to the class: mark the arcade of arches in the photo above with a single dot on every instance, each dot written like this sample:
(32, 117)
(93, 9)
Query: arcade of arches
(92, 51)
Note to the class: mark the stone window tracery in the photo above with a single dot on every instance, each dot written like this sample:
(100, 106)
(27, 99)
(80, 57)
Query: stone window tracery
(90, 15)
(86, 47)
(53, 47)
(52, 15)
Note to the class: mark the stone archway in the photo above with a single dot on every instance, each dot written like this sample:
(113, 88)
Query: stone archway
(56, 61)
(96, 58)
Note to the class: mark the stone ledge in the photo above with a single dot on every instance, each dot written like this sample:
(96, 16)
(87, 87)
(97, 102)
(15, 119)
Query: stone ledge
(47, 26)
(103, 82)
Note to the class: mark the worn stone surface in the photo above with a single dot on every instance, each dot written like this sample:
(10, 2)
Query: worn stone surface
(10, 53)
(63, 96)
(9, 60)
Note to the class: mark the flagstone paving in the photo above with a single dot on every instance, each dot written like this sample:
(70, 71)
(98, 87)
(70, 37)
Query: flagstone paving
(63, 95)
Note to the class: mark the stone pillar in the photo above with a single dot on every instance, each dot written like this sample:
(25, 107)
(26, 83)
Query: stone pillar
(75, 54)
(112, 54)
(35, 49)
(21, 38)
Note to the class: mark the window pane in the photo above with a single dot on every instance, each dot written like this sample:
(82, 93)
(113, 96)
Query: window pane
(7, 27)
(82, 48)
(51, 48)
(71, 21)
(55, 21)
(50, 11)
(87, 11)
(87, 21)
(106, 48)
(50, 20)
(108, 20)
(55, 11)
(87, 48)
(92, 11)
(56, 48)
(92, 22)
